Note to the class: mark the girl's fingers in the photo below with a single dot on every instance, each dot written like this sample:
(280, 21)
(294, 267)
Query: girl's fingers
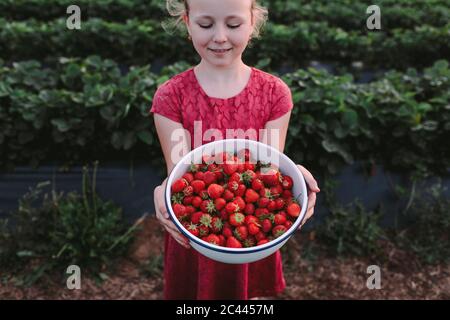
(311, 200)
(312, 183)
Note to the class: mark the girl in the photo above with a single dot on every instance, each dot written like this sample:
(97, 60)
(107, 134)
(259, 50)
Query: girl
(220, 93)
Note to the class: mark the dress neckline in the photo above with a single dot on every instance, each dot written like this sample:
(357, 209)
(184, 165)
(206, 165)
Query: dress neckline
(252, 73)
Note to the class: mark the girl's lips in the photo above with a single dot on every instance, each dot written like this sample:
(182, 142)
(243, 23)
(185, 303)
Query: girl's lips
(220, 50)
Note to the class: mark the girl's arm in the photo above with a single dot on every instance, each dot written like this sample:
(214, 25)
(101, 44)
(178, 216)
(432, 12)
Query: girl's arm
(281, 125)
(174, 140)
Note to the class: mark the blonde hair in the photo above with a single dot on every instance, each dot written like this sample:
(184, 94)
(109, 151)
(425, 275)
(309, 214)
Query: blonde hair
(178, 8)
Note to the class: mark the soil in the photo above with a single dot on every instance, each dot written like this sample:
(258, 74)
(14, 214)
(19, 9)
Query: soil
(309, 274)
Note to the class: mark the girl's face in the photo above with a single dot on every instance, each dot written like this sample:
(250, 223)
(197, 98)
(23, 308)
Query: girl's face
(220, 29)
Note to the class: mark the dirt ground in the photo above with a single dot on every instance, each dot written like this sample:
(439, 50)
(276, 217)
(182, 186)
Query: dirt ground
(309, 275)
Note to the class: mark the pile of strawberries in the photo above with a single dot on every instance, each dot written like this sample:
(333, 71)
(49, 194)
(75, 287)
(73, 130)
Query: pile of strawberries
(235, 202)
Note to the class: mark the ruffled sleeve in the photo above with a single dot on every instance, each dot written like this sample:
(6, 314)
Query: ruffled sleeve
(281, 100)
(166, 102)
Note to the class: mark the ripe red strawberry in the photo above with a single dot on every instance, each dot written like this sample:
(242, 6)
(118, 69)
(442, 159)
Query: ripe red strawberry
(251, 219)
(249, 242)
(233, 186)
(179, 185)
(272, 206)
(187, 200)
(196, 201)
(193, 168)
(230, 167)
(250, 166)
(276, 191)
(235, 177)
(206, 220)
(192, 228)
(266, 225)
(240, 202)
(224, 214)
(251, 196)
(278, 230)
(203, 231)
(260, 236)
(294, 209)
(227, 231)
(204, 194)
(216, 225)
(240, 167)
(198, 186)
(207, 206)
(270, 176)
(262, 202)
(280, 203)
(241, 233)
(180, 211)
(195, 217)
(286, 194)
(288, 224)
(261, 242)
(249, 208)
(190, 209)
(261, 213)
(279, 219)
(228, 195)
(189, 177)
(213, 239)
(232, 242)
(215, 191)
(287, 182)
(209, 177)
(257, 184)
(222, 240)
(253, 229)
(236, 219)
(240, 190)
(199, 175)
(188, 191)
(232, 207)
(220, 203)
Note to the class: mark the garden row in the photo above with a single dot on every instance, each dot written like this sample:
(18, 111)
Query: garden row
(87, 109)
(345, 14)
(142, 42)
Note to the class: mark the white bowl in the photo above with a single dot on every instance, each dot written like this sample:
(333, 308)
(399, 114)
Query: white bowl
(262, 152)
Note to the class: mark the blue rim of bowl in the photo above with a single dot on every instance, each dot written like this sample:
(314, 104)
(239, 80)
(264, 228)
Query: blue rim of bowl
(217, 248)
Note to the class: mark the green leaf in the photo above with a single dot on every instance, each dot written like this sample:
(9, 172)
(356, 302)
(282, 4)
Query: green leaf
(61, 124)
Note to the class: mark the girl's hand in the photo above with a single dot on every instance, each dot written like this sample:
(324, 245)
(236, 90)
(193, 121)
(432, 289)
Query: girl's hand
(313, 189)
(163, 216)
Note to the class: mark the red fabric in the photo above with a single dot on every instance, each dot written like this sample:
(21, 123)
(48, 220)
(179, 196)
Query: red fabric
(188, 274)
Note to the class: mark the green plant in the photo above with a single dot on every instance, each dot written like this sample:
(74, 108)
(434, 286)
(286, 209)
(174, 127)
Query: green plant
(428, 231)
(351, 230)
(66, 229)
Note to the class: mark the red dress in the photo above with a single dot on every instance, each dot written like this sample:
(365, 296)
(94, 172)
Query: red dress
(188, 274)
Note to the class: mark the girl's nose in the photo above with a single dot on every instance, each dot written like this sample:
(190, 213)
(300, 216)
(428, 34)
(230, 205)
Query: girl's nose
(220, 35)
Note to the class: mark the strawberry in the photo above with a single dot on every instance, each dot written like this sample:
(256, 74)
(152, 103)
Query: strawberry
(208, 206)
(199, 175)
(262, 202)
(270, 176)
(180, 211)
(203, 231)
(195, 217)
(288, 224)
(276, 191)
(249, 208)
(251, 219)
(209, 177)
(260, 236)
(279, 219)
(222, 240)
(240, 202)
(294, 209)
(215, 191)
(213, 239)
(189, 177)
(188, 191)
(187, 200)
(233, 186)
(232, 207)
(280, 203)
(228, 195)
(249, 242)
(251, 196)
(220, 203)
(272, 206)
(241, 233)
(224, 214)
(230, 167)
(235, 177)
(240, 167)
(253, 229)
(278, 230)
(287, 194)
(193, 229)
(205, 220)
(179, 185)
(232, 242)
(261, 242)
(266, 225)
(286, 182)
(227, 231)
(236, 219)
(198, 186)
(261, 213)
(240, 190)
(250, 166)
(190, 209)
(216, 225)
(196, 201)
(257, 184)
